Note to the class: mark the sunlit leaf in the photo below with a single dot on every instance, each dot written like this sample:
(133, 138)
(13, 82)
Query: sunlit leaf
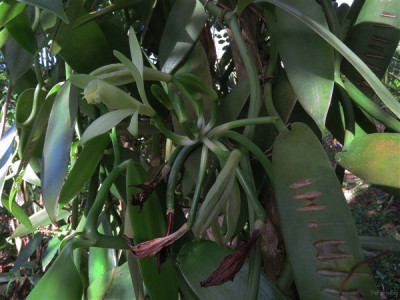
(21, 30)
(375, 158)
(9, 9)
(41, 218)
(6, 149)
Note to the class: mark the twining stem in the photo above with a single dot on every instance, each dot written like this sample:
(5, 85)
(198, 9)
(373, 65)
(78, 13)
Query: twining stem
(262, 158)
(38, 70)
(199, 185)
(255, 92)
(5, 109)
(240, 123)
(348, 112)
(173, 176)
(91, 223)
(252, 198)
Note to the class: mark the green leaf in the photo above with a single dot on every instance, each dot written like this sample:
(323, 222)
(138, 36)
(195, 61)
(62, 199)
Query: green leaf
(51, 251)
(184, 24)
(55, 6)
(148, 223)
(83, 168)
(18, 60)
(133, 127)
(317, 225)
(374, 44)
(310, 69)
(198, 259)
(101, 260)
(81, 80)
(115, 284)
(6, 149)
(105, 123)
(375, 158)
(41, 218)
(21, 30)
(58, 140)
(61, 281)
(135, 70)
(9, 9)
(17, 212)
(27, 252)
(379, 88)
(4, 36)
(39, 127)
(232, 104)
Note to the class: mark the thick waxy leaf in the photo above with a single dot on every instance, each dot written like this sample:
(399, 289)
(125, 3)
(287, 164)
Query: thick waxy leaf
(6, 148)
(57, 144)
(101, 260)
(55, 6)
(41, 218)
(27, 252)
(318, 229)
(309, 69)
(374, 38)
(17, 212)
(184, 24)
(84, 167)
(105, 123)
(9, 9)
(197, 260)
(61, 281)
(375, 158)
(39, 127)
(51, 251)
(114, 284)
(21, 30)
(147, 224)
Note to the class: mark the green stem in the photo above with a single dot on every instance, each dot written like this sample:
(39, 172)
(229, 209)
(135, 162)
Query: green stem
(35, 106)
(75, 213)
(91, 224)
(114, 141)
(255, 95)
(253, 148)
(254, 273)
(286, 278)
(348, 112)
(268, 100)
(251, 197)
(174, 174)
(350, 18)
(369, 106)
(199, 185)
(213, 118)
(176, 138)
(38, 70)
(218, 151)
(196, 105)
(36, 20)
(111, 242)
(240, 123)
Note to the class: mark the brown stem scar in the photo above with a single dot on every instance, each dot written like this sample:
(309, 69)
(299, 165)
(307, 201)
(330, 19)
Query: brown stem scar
(379, 39)
(307, 196)
(329, 250)
(311, 207)
(301, 183)
(374, 56)
(313, 225)
(388, 15)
